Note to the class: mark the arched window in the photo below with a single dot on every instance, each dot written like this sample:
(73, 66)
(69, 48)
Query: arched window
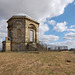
(31, 35)
(31, 26)
(19, 33)
(10, 33)
(32, 31)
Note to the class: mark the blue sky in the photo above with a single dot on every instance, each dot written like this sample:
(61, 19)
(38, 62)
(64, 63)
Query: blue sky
(56, 18)
(68, 16)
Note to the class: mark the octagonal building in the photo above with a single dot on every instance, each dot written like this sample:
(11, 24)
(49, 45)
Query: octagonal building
(22, 34)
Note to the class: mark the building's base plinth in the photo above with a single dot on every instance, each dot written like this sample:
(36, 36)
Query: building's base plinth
(30, 47)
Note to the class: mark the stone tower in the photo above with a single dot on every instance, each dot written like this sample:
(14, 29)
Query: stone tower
(22, 32)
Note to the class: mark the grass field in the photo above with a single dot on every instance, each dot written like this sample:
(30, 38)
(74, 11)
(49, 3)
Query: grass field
(37, 63)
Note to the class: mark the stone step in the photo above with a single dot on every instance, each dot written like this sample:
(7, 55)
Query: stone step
(33, 45)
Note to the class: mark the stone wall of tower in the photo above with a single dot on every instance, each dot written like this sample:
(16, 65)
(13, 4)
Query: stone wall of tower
(19, 32)
(6, 45)
(18, 35)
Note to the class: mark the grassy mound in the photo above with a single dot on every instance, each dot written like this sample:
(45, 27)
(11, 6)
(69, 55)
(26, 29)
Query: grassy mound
(37, 63)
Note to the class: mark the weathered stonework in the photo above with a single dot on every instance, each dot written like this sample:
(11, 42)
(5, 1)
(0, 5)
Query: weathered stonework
(22, 30)
(6, 45)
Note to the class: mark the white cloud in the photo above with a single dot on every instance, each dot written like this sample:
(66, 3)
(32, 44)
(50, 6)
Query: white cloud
(52, 22)
(38, 9)
(70, 35)
(48, 38)
(0, 42)
(3, 31)
(74, 3)
(71, 30)
(72, 26)
(43, 28)
(35, 8)
(3, 28)
(60, 27)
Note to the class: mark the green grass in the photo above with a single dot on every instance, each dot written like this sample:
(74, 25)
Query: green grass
(37, 63)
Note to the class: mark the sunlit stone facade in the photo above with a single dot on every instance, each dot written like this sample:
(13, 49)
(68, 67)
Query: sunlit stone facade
(22, 30)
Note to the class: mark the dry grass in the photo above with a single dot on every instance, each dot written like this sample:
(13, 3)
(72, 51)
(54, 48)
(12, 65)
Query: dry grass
(37, 63)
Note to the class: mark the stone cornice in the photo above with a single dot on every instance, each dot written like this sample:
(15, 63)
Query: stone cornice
(22, 17)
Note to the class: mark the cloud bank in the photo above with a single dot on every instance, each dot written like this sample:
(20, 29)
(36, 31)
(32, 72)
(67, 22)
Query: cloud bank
(60, 27)
(39, 10)
(52, 22)
(70, 35)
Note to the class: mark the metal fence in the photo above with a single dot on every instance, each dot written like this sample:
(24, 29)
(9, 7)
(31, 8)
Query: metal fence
(43, 44)
(55, 48)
